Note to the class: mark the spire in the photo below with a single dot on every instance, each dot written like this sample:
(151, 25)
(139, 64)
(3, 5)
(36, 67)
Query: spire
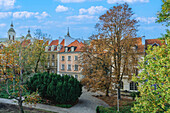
(68, 34)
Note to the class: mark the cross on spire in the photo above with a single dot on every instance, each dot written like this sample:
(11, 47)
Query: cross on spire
(68, 34)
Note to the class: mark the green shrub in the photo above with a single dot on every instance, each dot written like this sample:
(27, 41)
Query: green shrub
(123, 109)
(59, 89)
(134, 94)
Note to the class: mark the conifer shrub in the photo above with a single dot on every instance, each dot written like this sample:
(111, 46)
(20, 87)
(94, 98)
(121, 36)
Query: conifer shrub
(59, 89)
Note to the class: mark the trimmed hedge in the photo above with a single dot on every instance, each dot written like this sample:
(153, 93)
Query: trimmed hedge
(59, 89)
(123, 109)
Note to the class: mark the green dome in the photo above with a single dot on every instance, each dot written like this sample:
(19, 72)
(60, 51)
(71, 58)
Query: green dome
(11, 30)
(28, 35)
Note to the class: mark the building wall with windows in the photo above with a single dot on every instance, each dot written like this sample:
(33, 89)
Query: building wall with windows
(63, 57)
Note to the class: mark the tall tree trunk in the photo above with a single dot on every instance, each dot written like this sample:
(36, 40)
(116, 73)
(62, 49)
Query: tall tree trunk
(36, 66)
(20, 106)
(119, 95)
(107, 92)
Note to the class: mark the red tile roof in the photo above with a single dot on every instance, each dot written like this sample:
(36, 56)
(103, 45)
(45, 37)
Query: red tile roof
(153, 41)
(140, 48)
(62, 43)
(54, 42)
(75, 44)
(138, 41)
(26, 42)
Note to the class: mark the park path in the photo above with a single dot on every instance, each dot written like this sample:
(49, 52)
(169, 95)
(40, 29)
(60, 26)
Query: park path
(87, 104)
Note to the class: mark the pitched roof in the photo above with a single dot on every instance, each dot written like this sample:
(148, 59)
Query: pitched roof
(26, 42)
(75, 44)
(62, 42)
(138, 41)
(54, 42)
(153, 41)
(140, 48)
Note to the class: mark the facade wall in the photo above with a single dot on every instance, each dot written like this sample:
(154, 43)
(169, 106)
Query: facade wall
(74, 63)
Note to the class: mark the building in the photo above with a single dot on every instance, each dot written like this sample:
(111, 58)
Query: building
(11, 36)
(63, 57)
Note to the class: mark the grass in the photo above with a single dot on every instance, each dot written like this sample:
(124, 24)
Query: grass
(125, 104)
(123, 109)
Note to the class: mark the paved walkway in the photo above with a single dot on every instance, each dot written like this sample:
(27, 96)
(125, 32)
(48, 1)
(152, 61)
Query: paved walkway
(87, 104)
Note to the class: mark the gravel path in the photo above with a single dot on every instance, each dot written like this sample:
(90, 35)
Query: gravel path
(87, 104)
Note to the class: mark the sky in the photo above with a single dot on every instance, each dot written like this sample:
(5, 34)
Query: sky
(55, 16)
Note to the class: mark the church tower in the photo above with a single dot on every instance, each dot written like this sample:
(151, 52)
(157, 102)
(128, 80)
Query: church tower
(11, 33)
(28, 35)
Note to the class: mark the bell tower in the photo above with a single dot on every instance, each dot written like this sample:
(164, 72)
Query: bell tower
(11, 33)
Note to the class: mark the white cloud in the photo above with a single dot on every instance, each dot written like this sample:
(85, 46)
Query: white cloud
(42, 15)
(92, 10)
(2, 25)
(147, 19)
(26, 14)
(61, 8)
(129, 1)
(5, 14)
(70, 1)
(7, 4)
(80, 17)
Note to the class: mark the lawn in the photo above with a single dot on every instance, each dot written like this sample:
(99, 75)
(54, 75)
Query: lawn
(125, 104)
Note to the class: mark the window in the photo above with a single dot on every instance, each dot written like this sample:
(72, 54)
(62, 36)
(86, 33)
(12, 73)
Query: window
(48, 56)
(76, 76)
(13, 38)
(62, 66)
(53, 64)
(66, 49)
(53, 56)
(75, 67)
(69, 67)
(133, 85)
(76, 58)
(69, 58)
(72, 49)
(9, 37)
(62, 58)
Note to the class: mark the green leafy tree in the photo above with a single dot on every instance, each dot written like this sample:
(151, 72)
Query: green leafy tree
(164, 16)
(154, 81)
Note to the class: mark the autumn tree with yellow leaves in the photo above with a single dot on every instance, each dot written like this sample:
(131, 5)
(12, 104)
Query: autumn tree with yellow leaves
(112, 53)
(16, 59)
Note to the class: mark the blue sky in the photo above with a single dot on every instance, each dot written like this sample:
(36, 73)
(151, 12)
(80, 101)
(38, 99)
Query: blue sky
(55, 16)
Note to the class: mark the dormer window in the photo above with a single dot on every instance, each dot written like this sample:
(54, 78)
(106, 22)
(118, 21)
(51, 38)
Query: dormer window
(66, 49)
(72, 49)
(46, 48)
(59, 47)
(53, 47)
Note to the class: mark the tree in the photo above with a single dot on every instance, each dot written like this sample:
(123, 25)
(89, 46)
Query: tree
(115, 38)
(13, 62)
(36, 51)
(164, 16)
(96, 67)
(154, 81)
